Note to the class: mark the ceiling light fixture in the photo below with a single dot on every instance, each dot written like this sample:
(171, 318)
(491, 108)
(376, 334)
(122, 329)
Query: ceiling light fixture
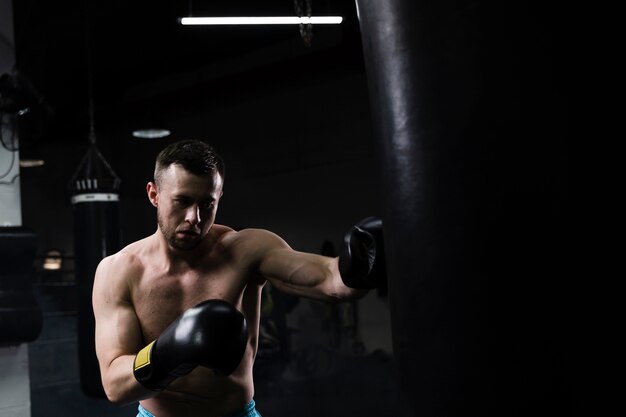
(151, 126)
(151, 133)
(269, 20)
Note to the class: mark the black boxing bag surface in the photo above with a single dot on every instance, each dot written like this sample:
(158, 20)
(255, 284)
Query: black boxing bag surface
(21, 318)
(471, 128)
(96, 235)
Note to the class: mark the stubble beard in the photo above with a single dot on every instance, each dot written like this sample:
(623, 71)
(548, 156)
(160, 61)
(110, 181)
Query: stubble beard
(169, 234)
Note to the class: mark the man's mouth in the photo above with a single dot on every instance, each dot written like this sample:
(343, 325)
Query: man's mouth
(189, 233)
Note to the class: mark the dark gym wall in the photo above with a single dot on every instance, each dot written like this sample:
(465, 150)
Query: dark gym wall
(289, 144)
(297, 160)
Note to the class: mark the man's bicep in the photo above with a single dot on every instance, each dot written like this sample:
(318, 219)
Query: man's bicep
(265, 252)
(117, 333)
(117, 327)
(296, 272)
(279, 264)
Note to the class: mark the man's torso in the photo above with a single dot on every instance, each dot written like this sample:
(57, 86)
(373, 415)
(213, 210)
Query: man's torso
(160, 292)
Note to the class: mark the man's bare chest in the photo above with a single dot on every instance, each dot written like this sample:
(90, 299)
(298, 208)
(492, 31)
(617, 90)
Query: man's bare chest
(159, 299)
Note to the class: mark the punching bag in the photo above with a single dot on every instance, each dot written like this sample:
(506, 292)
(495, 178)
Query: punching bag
(469, 106)
(95, 203)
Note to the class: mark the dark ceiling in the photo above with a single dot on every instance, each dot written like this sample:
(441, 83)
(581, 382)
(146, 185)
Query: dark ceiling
(118, 46)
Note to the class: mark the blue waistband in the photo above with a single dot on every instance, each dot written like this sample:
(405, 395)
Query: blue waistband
(142, 412)
(248, 411)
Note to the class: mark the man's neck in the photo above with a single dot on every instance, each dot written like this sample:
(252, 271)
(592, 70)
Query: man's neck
(184, 259)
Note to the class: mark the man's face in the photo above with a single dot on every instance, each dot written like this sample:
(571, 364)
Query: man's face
(186, 205)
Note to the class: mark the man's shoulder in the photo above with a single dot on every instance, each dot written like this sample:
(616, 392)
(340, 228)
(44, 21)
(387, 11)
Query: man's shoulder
(230, 235)
(250, 241)
(116, 272)
(129, 258)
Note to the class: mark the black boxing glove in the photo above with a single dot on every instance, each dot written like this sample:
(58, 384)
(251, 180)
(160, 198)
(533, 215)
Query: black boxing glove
(213, 334)
(362, 259)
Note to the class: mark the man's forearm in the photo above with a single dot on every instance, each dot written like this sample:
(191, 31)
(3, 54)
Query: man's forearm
(120, 384)
(317, 277)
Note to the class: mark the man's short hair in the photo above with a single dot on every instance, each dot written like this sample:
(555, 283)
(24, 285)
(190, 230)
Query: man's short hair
(195, 156)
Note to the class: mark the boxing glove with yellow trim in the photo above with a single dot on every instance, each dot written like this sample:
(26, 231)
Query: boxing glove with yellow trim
(213, 334)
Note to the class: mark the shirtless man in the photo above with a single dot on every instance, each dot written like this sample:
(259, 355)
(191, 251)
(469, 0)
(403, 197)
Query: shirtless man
(156, 290)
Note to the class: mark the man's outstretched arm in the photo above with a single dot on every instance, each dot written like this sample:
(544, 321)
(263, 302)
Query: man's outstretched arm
(360, 266)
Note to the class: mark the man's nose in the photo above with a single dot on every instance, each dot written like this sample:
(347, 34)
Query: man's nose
(193, 214)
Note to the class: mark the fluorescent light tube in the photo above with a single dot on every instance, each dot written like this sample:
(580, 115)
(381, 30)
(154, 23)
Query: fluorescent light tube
(276, 20)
